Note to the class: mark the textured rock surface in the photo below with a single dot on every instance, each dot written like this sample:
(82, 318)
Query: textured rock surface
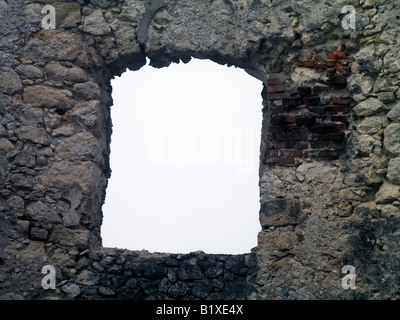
(329, 162)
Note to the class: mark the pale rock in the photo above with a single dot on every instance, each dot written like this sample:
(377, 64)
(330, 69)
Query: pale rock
(53, 45)
(96, 24)
(5, 146)
(81, 146)
(33, 134)
(393, 171)
(56, 71)
(69, 237)
(369, 107)
(88, 278)
(48, 97)
(10, 82)
(372, 125)
(72, 290)
(61, 175)
(388, 193)
(392, 138)
(394, 114)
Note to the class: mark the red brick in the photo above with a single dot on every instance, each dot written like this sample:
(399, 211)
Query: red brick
(341, 100)
(304, 91)
(337, 136)
(311, 101)
(343, 63)
(309, 55)
(342, 70)
(278, 110)
(306, 121)
(320, 89)
(308, 64)
(291, 137)
(338, 108)
(277, 88)
(340, 118)
(337, 87)
(318, 57)
(278, 120)
(286, 161)
(274, 81)
(331, 56)
(336, 145)
(290, 153)
(339, 80)
(290, 118)
(300, 63)
(331, 72)
(276, 129)
(284, 144)
(327, 127)
(327, 153)
(277, 96)
(340, 56)
(292, 91)
(319, 66)
(291, 101)
(330, 63)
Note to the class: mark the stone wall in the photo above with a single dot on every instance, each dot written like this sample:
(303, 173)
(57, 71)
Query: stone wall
(329, 162)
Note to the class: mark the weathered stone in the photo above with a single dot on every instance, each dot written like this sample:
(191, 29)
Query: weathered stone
(393, 171)
(56, 71)
(178, 289)
(388, 193)
(29, 71)
(61, 175)
(72, 290)
(88, 90)
(316, 172)
(39, 234)
(372, 125)
(48, 97)
(392, 138)
(69, 237)
(53, 44)
(96, 24)
(82, 146)
(38, 211)
(86, 113)
(369, 107)
(33, 116)
(394, 113)
(33, 134)
(10, 83)
(88, 278)
(280, 212)
(5, 146)
(365, 144)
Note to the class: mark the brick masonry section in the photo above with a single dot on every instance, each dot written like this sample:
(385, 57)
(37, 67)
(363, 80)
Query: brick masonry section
(308, 121)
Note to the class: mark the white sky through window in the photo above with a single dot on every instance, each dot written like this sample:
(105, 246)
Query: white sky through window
(184, 159)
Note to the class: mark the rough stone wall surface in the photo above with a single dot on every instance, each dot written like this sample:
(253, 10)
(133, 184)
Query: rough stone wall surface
(329, 162)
